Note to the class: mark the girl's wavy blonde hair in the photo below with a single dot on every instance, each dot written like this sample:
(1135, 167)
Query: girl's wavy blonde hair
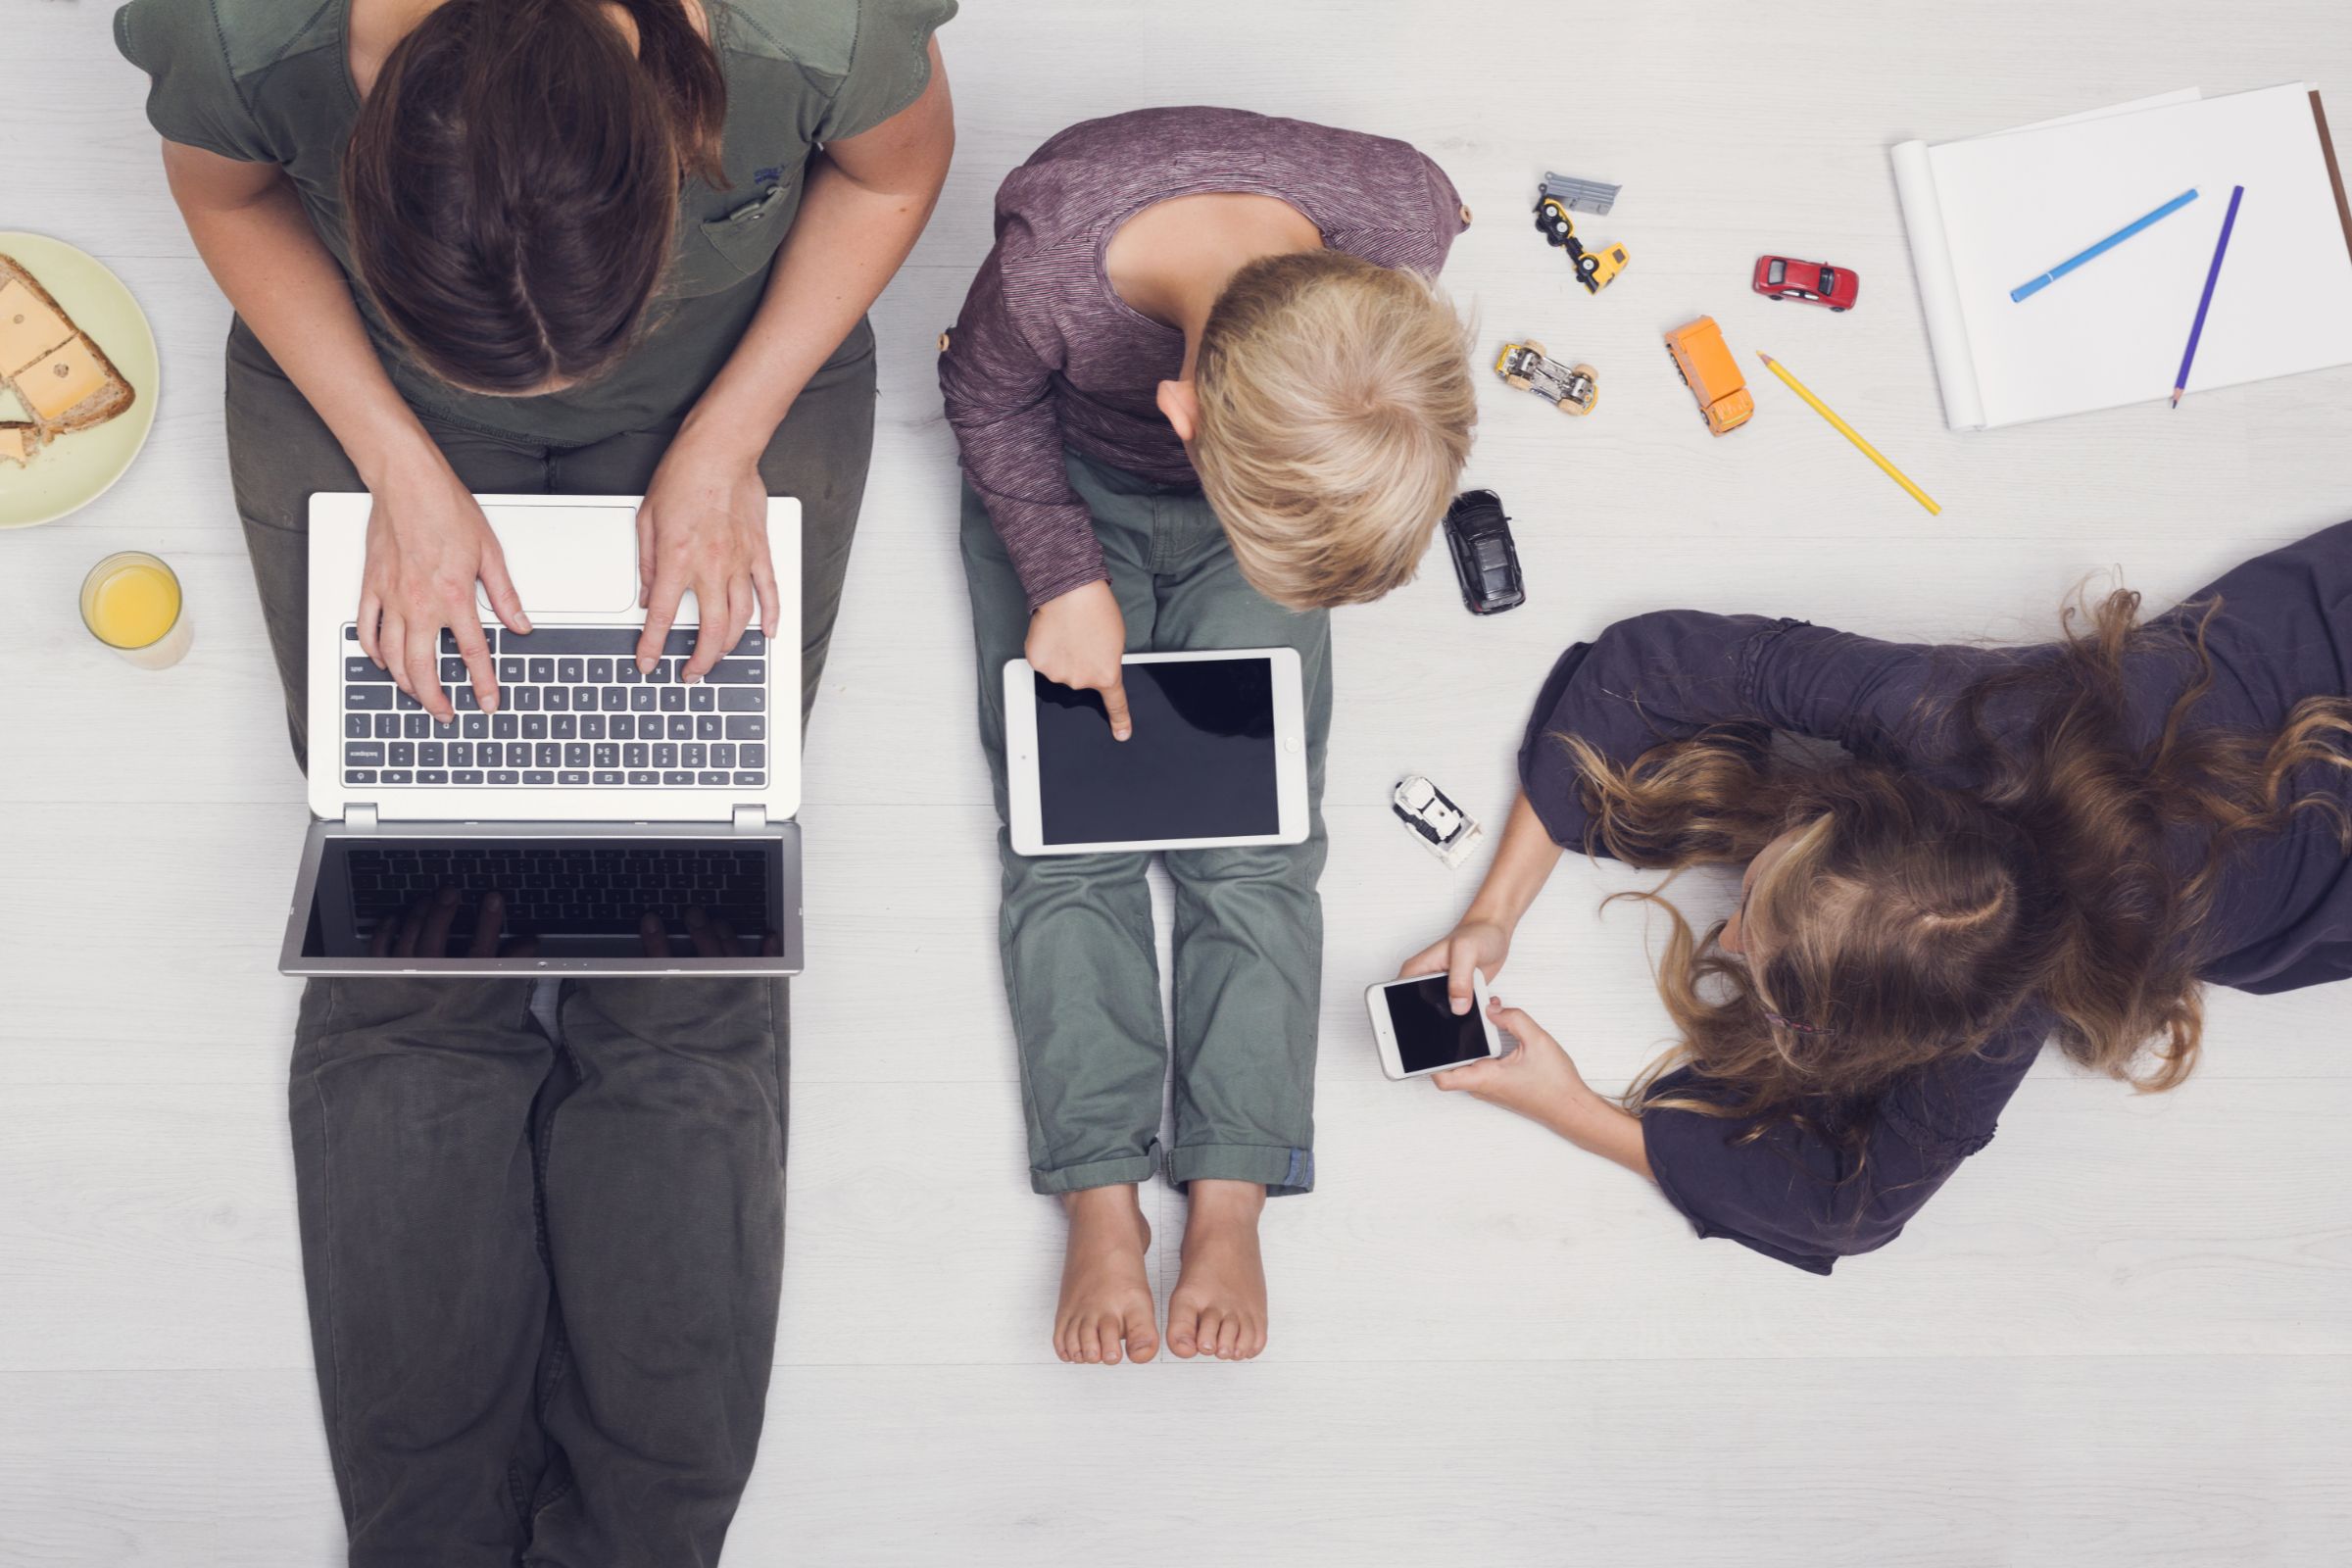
(2029, 864)
(1336, 411)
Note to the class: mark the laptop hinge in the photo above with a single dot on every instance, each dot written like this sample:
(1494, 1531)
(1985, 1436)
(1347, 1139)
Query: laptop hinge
(360, 818)
(751, 819)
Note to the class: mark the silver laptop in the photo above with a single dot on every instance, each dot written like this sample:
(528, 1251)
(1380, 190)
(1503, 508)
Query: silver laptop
(602, 821)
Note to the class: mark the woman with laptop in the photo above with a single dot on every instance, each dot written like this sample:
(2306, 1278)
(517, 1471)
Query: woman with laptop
(2063, 842)
(502, 246)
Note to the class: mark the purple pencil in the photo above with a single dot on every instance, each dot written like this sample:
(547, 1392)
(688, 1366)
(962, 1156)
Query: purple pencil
(2197, 327)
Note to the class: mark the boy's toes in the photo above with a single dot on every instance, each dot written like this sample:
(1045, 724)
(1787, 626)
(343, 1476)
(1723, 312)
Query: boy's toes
(1184, 1328)
(1143, 1334)
(1229, 1338)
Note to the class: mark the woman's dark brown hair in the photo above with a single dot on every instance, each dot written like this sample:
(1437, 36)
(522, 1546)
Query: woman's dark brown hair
(512, 184)
(2029, 856)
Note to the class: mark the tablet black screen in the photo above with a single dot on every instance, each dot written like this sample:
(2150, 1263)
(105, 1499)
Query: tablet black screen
(1201, 764)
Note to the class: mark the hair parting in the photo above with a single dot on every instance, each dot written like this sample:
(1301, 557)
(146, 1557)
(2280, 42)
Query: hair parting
(512, 183)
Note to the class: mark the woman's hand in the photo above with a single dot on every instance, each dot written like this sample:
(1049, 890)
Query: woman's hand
(1538, 1081)
(1476, 944)
(704, 526)
(1076, 640)
(427, 545)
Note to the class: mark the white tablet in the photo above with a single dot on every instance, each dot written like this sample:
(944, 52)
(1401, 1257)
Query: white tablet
(1218, 756)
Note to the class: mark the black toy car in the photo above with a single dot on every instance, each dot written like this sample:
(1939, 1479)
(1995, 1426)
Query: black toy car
(1484, 556)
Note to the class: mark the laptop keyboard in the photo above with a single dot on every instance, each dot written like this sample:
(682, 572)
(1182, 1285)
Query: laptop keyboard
(561, 888)
(573, 712)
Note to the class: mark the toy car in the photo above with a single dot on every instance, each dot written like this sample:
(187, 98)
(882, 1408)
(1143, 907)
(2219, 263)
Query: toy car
(1485, 558)
(1443, 828)
(1573, 388)
(1713, 376)
(1778, 277)
(1596, 267)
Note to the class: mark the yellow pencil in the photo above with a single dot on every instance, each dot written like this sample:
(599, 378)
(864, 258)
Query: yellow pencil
(1847, 430)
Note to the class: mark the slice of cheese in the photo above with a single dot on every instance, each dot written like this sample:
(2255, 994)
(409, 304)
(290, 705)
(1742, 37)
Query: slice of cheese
(52, 385)
(28, 328)
(17, 442)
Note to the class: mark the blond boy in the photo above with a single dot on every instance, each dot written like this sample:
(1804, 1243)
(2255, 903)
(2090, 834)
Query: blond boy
(1203, 390)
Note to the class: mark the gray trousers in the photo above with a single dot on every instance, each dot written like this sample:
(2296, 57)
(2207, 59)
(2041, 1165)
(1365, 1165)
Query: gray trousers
(542, 1272)
(1080, 969)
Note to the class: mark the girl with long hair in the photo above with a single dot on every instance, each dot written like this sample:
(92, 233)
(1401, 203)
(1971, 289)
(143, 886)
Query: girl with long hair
(1997, 849)
(608, 247)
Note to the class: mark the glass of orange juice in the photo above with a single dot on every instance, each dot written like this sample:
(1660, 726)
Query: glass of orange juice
(131, 601)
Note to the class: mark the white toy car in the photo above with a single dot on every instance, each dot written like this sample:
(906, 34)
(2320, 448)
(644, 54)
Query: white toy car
(1443, 828)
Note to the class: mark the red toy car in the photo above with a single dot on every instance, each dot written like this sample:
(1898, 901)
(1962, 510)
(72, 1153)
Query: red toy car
(1779, 278)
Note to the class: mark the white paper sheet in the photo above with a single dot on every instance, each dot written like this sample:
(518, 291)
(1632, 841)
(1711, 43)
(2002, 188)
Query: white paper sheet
(1987, 214)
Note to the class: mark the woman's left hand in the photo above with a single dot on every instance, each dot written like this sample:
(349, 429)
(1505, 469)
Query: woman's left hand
(704, 526)
(1537, 1079)
(1538, 1082)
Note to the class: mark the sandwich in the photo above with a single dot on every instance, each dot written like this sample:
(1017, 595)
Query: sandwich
(56, 371)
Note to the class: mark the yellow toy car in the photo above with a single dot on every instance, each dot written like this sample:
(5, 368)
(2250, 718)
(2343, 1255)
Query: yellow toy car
(1713, 376)
(1573, 388)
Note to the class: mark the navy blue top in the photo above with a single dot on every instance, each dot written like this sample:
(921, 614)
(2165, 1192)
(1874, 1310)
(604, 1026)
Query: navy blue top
(2282, 917)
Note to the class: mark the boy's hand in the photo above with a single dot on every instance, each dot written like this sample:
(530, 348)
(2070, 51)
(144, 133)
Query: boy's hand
(1481, 945)
(1076, 640)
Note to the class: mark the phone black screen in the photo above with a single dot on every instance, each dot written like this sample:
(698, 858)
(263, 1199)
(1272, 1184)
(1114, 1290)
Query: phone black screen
(1201, 764)
(1428, 1034)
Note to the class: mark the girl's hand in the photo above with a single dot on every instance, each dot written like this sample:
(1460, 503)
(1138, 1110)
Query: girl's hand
(704, 526)
(1476, 944)
(1537, 1079)
(1076, 640)
(427, 545)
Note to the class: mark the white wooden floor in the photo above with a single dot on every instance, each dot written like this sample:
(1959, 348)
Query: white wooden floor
(2122, 1336)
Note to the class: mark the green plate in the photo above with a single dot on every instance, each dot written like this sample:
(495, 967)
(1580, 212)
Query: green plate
(73, 471)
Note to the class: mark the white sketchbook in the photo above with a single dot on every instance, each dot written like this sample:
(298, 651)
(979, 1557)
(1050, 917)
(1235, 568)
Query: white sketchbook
(1987, 214)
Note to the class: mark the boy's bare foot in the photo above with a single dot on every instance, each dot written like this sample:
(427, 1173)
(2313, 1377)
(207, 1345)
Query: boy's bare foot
(1219, 1308)
(1106, 1296)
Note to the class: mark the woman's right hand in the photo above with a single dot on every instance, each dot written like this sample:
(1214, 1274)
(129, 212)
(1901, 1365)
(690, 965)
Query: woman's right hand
(427, 545)
(1476, 944)
(1077, 640)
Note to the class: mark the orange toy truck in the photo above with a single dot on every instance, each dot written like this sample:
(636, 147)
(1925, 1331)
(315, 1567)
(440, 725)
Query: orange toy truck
(1713, 376)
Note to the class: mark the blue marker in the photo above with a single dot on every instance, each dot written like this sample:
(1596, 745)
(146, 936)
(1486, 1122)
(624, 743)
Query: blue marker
(2109, 243)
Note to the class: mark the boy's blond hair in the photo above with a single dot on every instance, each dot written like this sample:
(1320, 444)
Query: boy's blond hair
(1336, 409)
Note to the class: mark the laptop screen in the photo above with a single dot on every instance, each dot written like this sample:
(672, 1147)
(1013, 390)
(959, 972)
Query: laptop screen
(392, 897)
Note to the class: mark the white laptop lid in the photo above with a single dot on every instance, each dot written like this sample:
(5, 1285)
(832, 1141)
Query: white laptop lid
(574, 560)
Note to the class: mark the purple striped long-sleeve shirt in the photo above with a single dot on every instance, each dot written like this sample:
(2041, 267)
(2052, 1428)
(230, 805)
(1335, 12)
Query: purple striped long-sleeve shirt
(1047, 355)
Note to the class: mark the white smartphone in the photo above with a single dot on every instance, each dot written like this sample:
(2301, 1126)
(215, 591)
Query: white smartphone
(1417, 1030)
(1218, 756)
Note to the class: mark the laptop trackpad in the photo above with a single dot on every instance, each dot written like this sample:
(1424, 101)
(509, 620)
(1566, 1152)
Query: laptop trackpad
(567, 561)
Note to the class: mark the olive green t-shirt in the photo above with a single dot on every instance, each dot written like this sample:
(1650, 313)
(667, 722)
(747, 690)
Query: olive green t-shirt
(269, 81)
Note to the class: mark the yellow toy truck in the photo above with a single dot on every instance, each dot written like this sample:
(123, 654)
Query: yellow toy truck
(1713, 376)
(1597, 266)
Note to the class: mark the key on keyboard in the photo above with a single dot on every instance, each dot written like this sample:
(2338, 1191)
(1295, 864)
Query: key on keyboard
(546, 677)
